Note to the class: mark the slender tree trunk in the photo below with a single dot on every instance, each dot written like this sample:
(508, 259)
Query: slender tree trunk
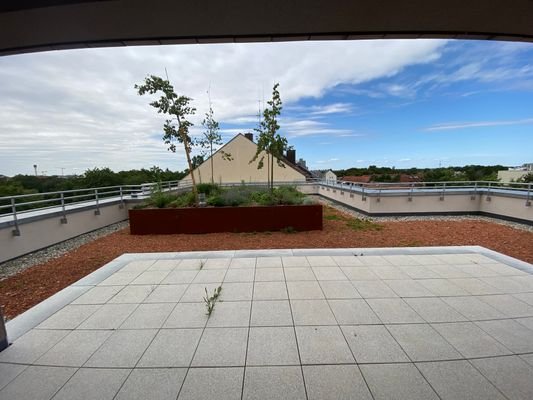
(212, 169)
(189, 162)
(271, 172)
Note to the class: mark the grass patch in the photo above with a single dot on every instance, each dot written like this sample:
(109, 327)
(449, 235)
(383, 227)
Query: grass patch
(333, 217)
(358, 224)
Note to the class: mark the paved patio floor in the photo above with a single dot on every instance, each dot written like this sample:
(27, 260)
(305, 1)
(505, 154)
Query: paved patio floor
(427, 323)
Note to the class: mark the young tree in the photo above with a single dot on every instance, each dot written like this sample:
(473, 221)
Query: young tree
(212, 138)
(269, 140)
(176, 129)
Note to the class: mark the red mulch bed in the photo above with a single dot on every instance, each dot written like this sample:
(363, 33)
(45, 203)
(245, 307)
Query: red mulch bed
(26, 289)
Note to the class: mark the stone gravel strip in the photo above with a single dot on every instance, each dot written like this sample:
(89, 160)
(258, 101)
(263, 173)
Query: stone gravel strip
(19, 264)
(356, 214)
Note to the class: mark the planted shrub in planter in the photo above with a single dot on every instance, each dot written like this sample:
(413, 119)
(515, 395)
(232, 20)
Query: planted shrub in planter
(236, 209)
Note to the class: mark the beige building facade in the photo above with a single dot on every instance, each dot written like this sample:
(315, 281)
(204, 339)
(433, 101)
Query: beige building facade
(239, 168)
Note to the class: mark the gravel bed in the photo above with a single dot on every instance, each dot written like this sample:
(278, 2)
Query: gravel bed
(351, 211)
(19, 264)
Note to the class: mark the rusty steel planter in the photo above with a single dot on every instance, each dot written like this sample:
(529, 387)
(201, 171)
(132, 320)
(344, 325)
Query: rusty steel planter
(225, 219)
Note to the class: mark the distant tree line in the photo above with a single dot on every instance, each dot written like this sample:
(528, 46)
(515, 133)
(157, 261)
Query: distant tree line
(466, 173)
(96, 177)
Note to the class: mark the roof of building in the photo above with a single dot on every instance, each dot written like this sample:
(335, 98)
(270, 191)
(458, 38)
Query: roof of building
(357, 179)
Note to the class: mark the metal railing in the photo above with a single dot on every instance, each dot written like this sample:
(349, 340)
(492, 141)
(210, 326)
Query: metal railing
(13, 207)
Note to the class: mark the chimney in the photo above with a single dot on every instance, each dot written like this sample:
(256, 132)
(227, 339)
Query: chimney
(249, 136)
(291, 156)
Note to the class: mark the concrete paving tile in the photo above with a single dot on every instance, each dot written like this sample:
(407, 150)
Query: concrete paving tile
(191, 264)
(210, 276)
(408, 288)
(268, 262)
(353, 312)
(98, 295)
(123, 349)
(166, 294)
(503, 269)
(477, 271)
(230, 314)
(333, 382)
(93, 384)
(528, 358)
(294, 261)
(239, 291)
(109, 316)
(475, 286)
(373, 260)
(527, 322)
(132, 294)
(359, 273)
(37, 383)
(148, 316)
(187, 315)
(516, 337)
(458, 380)
(312, 312)
(506, 284)
(137, 266)
(394, 311)
(221, 347)
(470, 340)
(339, 290)
(240, 275)
(153, 384)
(299, 274)
(455, 259)
(270, 291)
(373, 289)
(433, 309)
(397, 381)
(164, 265)
(223, 384)
(508, 305)
(323, 345)
(31, 346)
(473, 308)
(423, 343)
(304, 290)
(120, 278)
(525, 283)
(195, 293)
(8, 372)
(150, 278)
(179, 277)
(69, 317)
(429, 259)
(479, 258)
(347, 261)
(272, 346)
(389, 272)
(373, 344)
(525, 297)
(418, 272)
(448, 271)
(442, 287)
(321, 261)
(243, 263)
(511, 375)
(284, 383)
(402, 259)
(329, 274)
(171, 348)
(269, 275)
(271, 313)
(217, 263)
(74, 349)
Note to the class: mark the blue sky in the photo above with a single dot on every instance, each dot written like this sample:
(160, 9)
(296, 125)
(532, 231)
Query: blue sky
(402, 103)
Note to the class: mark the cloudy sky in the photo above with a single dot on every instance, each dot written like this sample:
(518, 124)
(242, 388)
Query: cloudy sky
(396, 103)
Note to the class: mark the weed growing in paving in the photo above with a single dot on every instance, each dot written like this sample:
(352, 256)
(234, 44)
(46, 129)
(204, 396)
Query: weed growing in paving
(210, 301)
(202, 263)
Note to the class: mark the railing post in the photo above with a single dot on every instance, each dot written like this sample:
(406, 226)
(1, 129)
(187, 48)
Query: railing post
(16, 231)
(63, 210)
(488, 198)
(475, 192)
(121, 205)
(528, 199)
(410, 196)
(442, 193)
(363, 195)
(97, 211)
(3, 333)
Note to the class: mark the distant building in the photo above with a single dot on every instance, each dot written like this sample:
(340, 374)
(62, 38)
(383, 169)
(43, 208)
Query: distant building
(515, 173)
(356, 179)
(326, 175)
(242, 149)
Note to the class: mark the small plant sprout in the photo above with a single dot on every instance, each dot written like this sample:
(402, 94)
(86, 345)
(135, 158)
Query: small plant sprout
(202, 263)
(210, 300)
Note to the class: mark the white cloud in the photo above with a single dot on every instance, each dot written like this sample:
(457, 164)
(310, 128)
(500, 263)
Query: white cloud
(479, 124)
(78, 108)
